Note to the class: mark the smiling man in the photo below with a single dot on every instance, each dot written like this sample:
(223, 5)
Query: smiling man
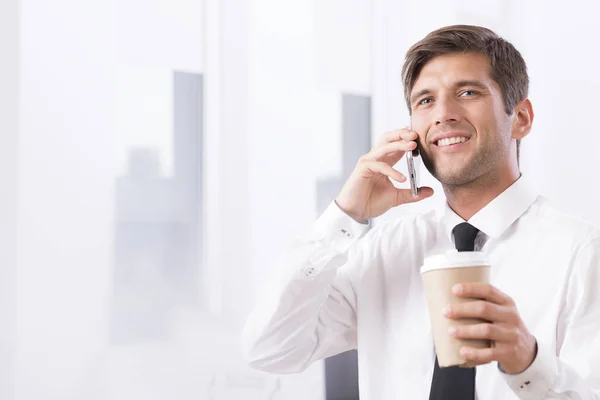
(345, 286)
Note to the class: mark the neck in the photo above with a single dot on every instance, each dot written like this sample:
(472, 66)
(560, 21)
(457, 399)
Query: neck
(466, 200)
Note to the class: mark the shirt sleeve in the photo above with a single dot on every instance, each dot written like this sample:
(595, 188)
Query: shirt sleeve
(308, 311)
(570, 371)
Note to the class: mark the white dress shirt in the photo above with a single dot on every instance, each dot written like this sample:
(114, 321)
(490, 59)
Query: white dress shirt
(345, 286)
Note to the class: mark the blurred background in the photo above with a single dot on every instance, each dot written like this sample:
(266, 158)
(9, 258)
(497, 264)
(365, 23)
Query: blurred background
(157, 156)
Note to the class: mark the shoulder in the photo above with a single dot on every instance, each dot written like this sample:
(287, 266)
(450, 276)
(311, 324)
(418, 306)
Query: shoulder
(566, 224)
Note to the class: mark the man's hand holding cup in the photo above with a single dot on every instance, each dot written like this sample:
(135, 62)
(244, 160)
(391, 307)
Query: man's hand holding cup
(514, 347)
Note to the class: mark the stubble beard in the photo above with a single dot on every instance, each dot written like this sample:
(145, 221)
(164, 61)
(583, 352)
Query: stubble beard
(467, 172)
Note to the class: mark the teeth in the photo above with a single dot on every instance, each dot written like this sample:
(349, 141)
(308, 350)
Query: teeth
(452, 140)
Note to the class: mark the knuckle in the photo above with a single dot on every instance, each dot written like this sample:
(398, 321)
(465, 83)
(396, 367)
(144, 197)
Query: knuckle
(514, 316)
(393, 135)
(380, 165)
(482, 307)
(515, 333)
(487, 329)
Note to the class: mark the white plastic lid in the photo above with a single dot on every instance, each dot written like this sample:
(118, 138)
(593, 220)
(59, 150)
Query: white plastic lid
(455, 259)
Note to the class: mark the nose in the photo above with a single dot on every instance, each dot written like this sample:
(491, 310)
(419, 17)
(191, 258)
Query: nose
(447, 111)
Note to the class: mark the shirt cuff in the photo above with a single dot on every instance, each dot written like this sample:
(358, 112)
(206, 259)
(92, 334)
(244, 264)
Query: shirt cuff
(537, 380)
(338, 230)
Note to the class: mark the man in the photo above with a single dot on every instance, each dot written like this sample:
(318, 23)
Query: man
(344, 286)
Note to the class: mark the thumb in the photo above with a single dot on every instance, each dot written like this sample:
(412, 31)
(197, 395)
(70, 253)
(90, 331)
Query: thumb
(405, 196)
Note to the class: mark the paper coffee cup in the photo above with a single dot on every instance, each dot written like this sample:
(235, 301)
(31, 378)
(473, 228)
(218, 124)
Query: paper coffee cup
(440, 273)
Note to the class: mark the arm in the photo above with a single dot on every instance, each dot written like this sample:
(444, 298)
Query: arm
(308, 312)
(536, 370)
(574, 372)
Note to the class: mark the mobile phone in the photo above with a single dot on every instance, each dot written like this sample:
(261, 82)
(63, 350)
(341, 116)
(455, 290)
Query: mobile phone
(413, 161)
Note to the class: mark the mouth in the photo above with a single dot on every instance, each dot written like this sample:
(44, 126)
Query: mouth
(451, 141)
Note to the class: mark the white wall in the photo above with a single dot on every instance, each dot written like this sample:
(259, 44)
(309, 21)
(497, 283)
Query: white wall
(281, 94)
(9, 127)
(342, 40)
(65, 197)
(161, 34)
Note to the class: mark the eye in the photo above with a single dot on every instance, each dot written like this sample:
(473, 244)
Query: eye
(425, 101)
(469, 93)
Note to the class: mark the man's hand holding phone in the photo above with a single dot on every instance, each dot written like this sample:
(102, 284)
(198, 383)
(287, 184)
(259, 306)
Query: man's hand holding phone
(368, 192)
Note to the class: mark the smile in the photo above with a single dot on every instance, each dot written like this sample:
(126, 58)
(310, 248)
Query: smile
(451, 141)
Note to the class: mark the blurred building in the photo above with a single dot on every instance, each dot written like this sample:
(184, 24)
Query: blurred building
(157, 238)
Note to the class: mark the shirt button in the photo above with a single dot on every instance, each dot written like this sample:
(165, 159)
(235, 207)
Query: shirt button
(310, 271)
(348, 234)
(525, 384)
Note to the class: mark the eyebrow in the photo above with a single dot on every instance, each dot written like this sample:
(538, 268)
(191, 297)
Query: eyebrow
(457, 85)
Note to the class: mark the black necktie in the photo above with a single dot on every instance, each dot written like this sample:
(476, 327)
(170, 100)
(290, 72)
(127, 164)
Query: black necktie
(456, 383)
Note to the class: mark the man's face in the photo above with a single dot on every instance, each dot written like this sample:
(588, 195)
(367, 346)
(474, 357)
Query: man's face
(458, 112)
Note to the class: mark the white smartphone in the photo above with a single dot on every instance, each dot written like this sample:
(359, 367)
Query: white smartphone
(413, 161)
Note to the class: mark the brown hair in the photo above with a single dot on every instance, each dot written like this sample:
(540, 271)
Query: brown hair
(508, 68)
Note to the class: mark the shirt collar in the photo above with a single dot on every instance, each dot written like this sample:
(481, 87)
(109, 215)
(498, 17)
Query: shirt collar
(495, 218)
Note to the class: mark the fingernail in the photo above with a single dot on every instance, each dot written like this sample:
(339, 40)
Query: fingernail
(446, 311)
(457, 289)
(452, 331)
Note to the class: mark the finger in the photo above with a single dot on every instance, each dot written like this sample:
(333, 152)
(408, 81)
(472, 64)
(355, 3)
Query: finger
(493, 332)
(479, 290)
(383, 168)
(480, 355)
(480, 309)
(405, 196)
(396, 135)
(401, 146)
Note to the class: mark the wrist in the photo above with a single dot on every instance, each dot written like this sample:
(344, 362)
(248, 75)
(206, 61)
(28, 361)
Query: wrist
(354, 216)
(523, 366)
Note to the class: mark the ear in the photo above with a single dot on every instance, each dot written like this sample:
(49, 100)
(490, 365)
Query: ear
(523, 119)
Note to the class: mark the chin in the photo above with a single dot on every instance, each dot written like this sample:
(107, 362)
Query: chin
(455, 179)
(454, 175)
